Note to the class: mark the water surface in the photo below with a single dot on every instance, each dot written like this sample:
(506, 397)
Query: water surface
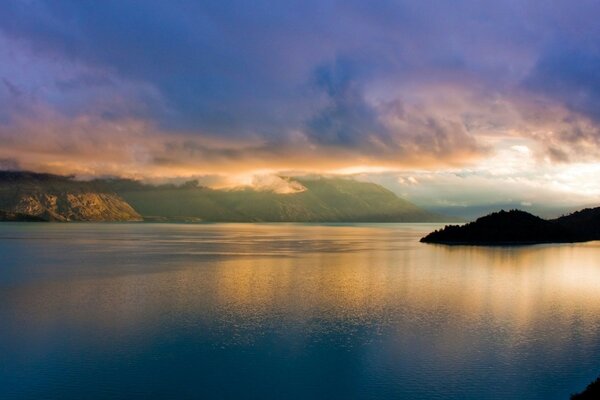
(273, 311)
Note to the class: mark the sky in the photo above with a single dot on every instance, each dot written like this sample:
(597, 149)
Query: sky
(451, 104)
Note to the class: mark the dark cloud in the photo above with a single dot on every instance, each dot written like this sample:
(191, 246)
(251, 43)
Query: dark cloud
(570, 75)
(13, 90)
(388, 81)
(232, 67)
(347, 119)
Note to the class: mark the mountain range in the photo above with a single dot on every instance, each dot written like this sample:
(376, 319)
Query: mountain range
(24, 195)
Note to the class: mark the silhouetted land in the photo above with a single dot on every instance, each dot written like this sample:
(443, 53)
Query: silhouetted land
(592, 392)
(519, 227)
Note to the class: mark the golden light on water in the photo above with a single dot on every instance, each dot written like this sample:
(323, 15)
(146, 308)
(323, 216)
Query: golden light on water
(343, 273)
(396, 310)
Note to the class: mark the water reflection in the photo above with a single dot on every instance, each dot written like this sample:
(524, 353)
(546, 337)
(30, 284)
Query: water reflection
(356, 311)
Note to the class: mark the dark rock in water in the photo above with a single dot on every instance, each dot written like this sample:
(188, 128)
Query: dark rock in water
(592, 392)
(518, 227)
(6, 216)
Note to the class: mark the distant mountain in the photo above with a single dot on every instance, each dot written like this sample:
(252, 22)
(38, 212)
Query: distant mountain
(62, 198)
(322, 200)
(472, 212)
(26, 196)
(520, 227)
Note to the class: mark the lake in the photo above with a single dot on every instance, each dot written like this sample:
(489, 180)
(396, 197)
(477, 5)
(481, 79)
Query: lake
(291, 311)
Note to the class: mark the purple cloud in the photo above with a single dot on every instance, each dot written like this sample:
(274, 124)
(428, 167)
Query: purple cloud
(376, 83)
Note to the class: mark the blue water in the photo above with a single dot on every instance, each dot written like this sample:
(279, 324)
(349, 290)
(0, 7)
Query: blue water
(290, 311)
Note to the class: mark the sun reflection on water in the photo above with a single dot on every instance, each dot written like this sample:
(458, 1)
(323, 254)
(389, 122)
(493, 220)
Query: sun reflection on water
(369, 287)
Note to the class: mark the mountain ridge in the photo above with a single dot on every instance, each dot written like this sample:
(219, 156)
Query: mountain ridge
(324, 200)
(62, 198)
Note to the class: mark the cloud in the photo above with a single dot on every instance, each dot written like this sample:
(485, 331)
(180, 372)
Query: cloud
(9, 164)
(276, 184)
(158, 89)
(569, 75)
(347, 120)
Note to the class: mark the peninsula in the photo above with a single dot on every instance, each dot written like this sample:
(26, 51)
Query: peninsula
(516, 227)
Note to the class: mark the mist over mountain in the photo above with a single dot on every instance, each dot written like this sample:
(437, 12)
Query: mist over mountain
(319, 200)
(314, 199)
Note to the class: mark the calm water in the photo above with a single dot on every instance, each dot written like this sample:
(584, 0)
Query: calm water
(290, 311)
